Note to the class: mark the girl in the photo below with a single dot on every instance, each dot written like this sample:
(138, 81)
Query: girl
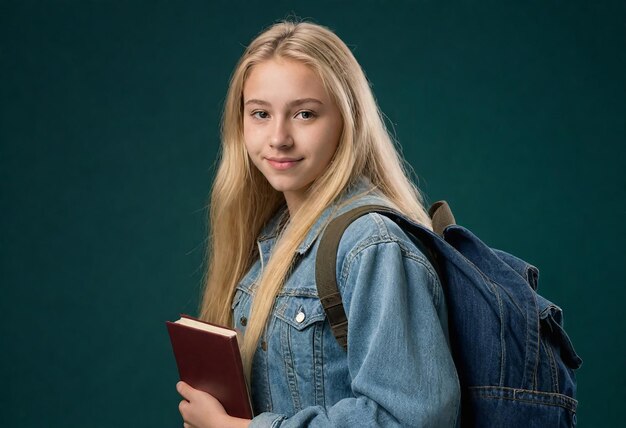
(302, 142)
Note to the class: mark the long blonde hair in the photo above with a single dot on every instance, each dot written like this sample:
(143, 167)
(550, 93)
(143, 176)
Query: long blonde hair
(242, 200)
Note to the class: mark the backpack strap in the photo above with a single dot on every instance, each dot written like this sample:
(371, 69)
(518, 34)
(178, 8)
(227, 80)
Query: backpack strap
(441, 216)
(326, 259)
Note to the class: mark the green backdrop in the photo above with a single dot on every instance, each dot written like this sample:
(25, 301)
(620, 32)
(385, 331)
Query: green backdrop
(512, 111)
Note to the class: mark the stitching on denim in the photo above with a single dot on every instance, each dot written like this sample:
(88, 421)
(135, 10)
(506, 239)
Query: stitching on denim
(278, 421)
(382, 227)
(376, 240)
(508, 389)
(494, 285)
(434, 285)
(311, 320)
(546, 398)
(260, 360)
(385, 237)
(537, 330)
(535, 375)
(436, 290)
(315, 315)
(298, 292)
(364, 245)
(405, 246)
(279, 310)
(553, 367)
(318, 363)
(526, 400)
(503, 348)
(237, 310)
(292, 380)
(247, 282)
(527, 315)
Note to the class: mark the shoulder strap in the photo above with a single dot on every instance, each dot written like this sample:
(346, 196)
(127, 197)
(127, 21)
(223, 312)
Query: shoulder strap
(441, 216)
(326, 271)
(326, 259)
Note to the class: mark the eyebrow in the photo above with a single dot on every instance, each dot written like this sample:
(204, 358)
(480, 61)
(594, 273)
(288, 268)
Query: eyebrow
(293, 103)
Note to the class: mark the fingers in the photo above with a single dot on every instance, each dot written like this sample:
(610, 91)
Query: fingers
(183, 408)
(185, 390)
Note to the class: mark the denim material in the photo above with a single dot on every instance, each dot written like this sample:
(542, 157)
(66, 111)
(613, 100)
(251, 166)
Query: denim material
(514, 360)
(398, 370)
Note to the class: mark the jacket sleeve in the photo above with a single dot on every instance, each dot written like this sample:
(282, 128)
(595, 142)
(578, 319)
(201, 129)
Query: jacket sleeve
(401, 369)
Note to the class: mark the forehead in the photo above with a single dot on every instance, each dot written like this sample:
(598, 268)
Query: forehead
(283, 79)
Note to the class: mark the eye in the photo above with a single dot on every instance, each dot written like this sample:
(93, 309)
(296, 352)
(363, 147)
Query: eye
(306, 114)
(259, 114)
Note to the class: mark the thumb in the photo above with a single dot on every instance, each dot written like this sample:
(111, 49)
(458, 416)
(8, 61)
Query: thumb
(185, 390)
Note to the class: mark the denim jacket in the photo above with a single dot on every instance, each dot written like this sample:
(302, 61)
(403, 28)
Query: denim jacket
(398, 370)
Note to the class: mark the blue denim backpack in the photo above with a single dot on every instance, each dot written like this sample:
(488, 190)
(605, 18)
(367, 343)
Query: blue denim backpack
(514, 360)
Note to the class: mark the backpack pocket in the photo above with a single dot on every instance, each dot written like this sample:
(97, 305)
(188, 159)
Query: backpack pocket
(551, 321)
(557, 358)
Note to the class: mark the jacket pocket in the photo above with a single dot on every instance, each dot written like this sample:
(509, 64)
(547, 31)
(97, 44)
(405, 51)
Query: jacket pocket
(300, 310)
(298, 326)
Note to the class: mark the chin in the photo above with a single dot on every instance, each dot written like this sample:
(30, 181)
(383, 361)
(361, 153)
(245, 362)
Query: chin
(281, 187)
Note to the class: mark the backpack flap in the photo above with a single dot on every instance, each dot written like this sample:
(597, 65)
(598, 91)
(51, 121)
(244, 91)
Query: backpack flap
(551, 317)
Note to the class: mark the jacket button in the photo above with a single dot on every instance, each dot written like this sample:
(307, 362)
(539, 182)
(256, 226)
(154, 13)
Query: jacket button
(264, 345)
(300, 317)
(243, 321)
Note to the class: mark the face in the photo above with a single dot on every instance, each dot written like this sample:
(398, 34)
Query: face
(291, 126)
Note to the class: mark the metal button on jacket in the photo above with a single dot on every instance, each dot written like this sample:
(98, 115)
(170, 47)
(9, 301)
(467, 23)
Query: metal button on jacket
(300, 317)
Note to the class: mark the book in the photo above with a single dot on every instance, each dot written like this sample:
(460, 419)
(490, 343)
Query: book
(208, 359)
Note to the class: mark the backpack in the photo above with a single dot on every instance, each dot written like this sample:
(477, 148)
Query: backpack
(527, 379)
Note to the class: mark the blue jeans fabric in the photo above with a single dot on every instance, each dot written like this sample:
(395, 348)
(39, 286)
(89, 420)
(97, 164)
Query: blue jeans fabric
(514, 360)
(398, 370)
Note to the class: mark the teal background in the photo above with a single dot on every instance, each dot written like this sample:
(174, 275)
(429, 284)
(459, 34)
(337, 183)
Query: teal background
(512, 111)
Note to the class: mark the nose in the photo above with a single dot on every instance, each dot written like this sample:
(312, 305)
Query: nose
(281, 135)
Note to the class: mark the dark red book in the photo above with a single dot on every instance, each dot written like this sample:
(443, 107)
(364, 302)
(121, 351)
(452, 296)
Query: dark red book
(208, 359)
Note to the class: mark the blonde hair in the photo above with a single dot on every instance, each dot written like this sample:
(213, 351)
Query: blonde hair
(242, 200)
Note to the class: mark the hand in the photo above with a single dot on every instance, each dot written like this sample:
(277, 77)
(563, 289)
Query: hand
(202, 410)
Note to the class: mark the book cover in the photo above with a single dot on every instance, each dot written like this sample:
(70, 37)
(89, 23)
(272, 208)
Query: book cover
(208, 359)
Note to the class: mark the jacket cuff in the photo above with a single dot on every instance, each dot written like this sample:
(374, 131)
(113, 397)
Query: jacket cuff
(267, 420)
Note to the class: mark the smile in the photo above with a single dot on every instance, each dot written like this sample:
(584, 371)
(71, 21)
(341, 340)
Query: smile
(282, 164)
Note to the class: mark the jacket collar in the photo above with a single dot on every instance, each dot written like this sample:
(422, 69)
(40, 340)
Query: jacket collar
(362, 192)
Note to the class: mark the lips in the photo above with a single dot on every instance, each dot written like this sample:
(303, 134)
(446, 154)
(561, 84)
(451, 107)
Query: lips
(282, 164)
